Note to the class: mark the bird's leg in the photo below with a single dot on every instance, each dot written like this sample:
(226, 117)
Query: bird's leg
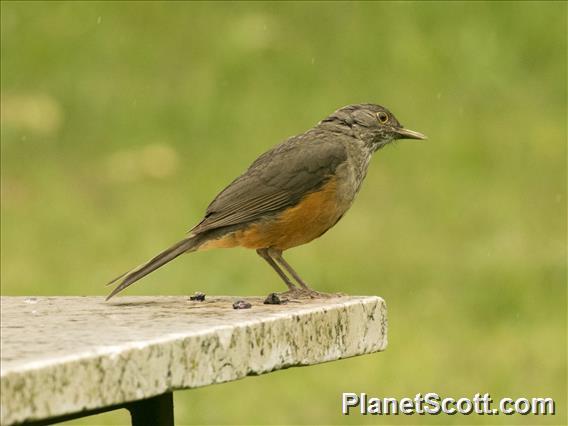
(277, 255)
(264, 254)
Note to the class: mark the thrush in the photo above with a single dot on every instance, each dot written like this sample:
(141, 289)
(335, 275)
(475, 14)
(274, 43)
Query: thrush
(291, 194)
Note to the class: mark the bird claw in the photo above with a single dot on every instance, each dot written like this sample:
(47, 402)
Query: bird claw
(307, 293)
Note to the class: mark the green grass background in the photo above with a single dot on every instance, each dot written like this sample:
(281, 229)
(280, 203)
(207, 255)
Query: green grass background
(121, 121)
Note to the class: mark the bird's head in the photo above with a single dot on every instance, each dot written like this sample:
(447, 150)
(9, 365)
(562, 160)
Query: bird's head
(375, 125)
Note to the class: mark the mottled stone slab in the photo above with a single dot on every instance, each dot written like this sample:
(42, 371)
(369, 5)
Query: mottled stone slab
(63, 355)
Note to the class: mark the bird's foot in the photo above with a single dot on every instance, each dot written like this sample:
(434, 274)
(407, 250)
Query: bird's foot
(307, 293)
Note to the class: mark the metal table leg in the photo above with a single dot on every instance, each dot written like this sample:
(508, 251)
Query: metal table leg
(156, 411)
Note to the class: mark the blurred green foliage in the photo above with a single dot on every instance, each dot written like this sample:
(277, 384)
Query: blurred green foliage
(121, 121)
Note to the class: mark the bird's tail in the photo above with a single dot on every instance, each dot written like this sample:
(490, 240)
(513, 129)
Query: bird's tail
(188, 244)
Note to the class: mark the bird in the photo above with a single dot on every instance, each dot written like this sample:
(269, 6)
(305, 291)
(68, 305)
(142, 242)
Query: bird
(290, 195)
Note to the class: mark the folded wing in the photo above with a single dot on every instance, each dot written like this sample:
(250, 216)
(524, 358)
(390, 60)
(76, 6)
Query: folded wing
(278, 179)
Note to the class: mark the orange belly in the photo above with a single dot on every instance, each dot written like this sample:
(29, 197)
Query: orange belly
(310, 218)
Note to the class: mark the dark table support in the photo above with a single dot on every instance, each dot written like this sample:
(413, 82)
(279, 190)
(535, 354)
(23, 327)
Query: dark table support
(155, 411)
(158, 411)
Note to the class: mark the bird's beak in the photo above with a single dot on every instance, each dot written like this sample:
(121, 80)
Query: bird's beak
(409, 134)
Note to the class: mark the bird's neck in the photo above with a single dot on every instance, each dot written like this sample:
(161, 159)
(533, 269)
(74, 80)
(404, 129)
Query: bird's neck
(336, 127)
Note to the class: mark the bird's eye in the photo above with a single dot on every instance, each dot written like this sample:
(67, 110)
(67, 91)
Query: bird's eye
(383, 117)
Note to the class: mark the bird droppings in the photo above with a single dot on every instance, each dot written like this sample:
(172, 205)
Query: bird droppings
(198, 297)
(274, 299)
(242, 304)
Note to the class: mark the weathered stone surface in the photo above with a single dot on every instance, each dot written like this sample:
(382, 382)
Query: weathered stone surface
(62, 355)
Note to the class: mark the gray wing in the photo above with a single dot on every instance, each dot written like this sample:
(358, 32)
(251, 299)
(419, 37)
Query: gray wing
(278, 179)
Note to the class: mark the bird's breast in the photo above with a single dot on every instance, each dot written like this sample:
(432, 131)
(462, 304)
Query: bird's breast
(311, 217)
(296, 225)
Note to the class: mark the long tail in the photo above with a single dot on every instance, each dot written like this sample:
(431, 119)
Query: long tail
(186, 245)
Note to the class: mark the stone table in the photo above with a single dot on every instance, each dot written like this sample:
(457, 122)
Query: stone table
(66, 357)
